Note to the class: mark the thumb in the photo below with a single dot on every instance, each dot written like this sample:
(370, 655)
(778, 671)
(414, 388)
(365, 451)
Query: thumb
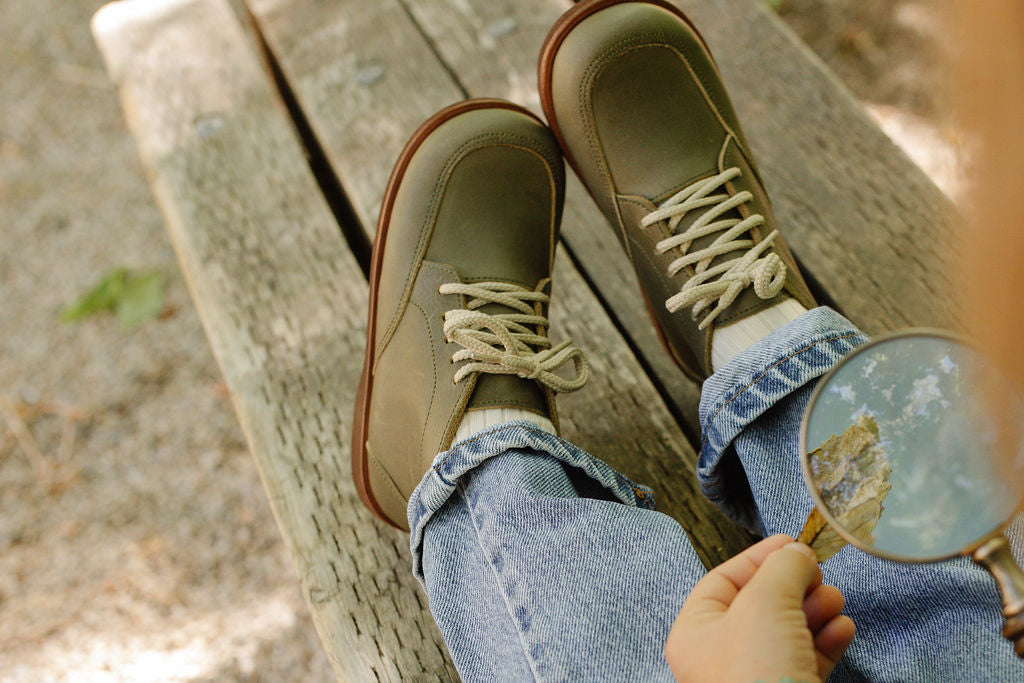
(785, 576)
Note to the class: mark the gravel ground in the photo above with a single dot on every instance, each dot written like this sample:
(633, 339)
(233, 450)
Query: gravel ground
(136, 542)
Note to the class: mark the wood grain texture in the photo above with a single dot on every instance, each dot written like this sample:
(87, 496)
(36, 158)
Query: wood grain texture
(619, 417)
(283, 303)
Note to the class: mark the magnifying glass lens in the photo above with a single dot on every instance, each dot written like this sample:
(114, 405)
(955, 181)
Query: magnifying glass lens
(899, 448)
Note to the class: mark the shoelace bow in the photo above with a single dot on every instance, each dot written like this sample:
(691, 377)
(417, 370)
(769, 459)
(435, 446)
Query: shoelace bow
(507, 343)
(724, 281)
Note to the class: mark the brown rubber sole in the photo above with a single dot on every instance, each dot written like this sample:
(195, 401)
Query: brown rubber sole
(360, 471)
(566, 23)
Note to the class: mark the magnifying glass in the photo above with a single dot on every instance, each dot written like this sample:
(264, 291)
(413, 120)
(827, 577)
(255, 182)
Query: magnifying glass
(895, 448)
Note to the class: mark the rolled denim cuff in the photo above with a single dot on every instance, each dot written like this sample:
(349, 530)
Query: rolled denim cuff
(439, 483)
(751, 383)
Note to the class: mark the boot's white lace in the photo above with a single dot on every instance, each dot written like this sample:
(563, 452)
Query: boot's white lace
(509, 343)
(725, 281)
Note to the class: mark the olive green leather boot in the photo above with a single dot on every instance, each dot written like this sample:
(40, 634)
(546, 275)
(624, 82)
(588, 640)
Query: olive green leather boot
(460, 280)
(638, 105)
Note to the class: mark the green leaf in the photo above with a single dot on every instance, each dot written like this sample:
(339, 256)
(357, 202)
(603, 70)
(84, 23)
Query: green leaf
(134, 297)
(142, 299)
(774, 5)
(102, 297)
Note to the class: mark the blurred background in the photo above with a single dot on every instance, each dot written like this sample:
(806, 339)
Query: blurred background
(136, 542)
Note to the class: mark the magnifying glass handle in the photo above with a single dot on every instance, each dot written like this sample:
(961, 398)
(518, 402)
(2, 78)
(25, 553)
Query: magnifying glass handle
(994, 554)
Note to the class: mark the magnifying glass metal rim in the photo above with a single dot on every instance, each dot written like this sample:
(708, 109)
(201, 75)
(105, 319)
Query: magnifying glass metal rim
(805, 466)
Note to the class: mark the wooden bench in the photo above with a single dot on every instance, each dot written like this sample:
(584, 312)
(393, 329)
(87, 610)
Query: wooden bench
(268, 142)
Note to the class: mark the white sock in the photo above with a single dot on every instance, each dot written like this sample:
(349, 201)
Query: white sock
(474, 421)
(731, 339)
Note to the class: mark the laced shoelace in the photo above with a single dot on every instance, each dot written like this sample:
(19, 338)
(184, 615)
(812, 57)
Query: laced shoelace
(725, 281)
(508, 343)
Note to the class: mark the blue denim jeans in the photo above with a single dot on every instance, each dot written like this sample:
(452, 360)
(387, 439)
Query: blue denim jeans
(541, 562)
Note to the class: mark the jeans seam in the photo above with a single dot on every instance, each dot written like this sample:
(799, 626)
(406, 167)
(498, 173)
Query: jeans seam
(704, 434)
(461, 489)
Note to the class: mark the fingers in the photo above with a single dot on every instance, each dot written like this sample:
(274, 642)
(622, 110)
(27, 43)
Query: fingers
(822, 605)
(831, 642)
(716, 591)
(785, 576)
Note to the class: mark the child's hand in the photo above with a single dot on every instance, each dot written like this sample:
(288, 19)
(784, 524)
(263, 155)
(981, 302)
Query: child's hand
(762, 616)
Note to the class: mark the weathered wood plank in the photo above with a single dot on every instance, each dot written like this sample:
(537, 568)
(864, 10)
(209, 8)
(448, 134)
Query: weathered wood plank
(322, 50)
(867, 223)
(284, 305)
